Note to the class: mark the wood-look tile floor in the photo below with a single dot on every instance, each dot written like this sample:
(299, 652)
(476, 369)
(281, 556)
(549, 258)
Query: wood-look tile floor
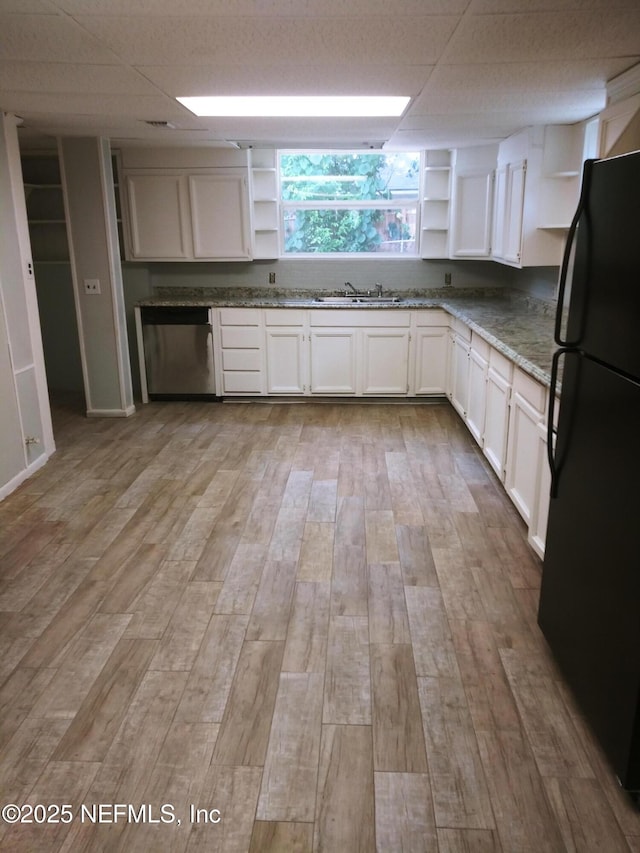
(316, 621)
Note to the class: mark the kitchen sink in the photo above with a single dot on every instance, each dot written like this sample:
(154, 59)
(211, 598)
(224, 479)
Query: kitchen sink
(357, 300)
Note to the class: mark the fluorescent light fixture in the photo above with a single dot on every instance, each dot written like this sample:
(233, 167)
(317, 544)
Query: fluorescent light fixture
(297, 105)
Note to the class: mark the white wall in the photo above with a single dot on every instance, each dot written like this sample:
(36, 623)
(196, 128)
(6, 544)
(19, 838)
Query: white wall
(93, 243)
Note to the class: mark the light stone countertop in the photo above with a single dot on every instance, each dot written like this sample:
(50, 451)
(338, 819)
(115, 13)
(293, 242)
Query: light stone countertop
(518, 326)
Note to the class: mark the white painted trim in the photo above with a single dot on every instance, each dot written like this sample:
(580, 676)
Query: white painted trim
(624, 85)
(74, 278)
(27, 472)
(118, 316)
(30, 294)
(111, 413)
(144, 390)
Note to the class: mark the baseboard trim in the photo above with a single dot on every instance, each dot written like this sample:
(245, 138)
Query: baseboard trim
(111, 413)
(27, 472)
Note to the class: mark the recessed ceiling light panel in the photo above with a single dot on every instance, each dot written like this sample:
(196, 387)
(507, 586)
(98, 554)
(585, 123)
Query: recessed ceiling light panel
(293, 105)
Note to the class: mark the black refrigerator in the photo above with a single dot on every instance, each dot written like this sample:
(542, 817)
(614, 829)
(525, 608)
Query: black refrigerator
(590, 596)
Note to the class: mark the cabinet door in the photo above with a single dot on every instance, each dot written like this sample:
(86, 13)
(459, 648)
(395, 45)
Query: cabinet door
(459, 375)
(385, 365)
(496, 421)
(285, 361)
(538, 525)
(471, 217)
(158, 217)
(220, 216)
(333, 361)
(478, 366)
(431, 360)
(499, 212)
(516, 175)
(521, 479)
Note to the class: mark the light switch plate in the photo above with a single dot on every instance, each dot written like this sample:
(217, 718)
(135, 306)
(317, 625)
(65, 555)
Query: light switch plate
(92, 285)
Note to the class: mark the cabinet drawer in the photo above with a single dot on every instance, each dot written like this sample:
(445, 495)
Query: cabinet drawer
(241, 382)
(237, 337)
(359, 317)
(284, 316)
(501, 365)
(240, 359)
(239, 316)
(480, 346)
(460, 328)
(432, 317)
(530, 390)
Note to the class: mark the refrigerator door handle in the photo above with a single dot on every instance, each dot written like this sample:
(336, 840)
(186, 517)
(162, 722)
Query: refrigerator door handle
(555, 364)
(564, 268)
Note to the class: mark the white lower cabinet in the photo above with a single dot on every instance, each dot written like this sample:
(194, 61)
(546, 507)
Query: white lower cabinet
(285, 331)
(496, 419)
(239, 351)
(505, 411)
(540, 512)
(477, 393)
(430, 359)
(385, 361)
(333, 361)
(523, 456)
(458, 386)
(359, 352)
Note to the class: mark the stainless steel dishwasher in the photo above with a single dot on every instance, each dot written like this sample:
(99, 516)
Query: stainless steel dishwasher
(178, 352)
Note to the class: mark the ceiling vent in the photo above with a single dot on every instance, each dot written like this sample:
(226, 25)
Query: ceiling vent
(166, 124)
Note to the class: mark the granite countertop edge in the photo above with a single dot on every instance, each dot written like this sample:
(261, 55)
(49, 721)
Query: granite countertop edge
(519, 327)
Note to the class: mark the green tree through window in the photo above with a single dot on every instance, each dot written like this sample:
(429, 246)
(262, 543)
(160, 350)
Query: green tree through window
(349, 202)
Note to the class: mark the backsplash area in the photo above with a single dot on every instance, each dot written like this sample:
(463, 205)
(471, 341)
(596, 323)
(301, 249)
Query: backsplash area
(321, 274)
(539, 282)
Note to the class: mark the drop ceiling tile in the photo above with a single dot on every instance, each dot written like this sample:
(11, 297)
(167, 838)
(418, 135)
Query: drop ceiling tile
(492, 7)
(42, 38)
(505, 122)
(360, 129)
(529, 76)
(61, 77)
(168, 41)
(584, 101)
(264, 8)
(27, 7)
(287, 79)
(117, 128)
(545, 36)
(140, 106)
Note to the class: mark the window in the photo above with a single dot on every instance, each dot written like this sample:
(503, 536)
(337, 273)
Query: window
(347, 202)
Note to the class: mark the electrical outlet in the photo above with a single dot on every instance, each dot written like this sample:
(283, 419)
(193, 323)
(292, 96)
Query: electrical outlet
(272, 278)
(447, 279)
(92, 286)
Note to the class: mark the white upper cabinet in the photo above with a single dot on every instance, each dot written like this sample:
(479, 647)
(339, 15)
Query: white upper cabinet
(536, 192)
(220, 215)
(158, 213)
(619, 127)
(265, 204)
(436, 195)
(514, 212)
(186, 205)
(472, 202)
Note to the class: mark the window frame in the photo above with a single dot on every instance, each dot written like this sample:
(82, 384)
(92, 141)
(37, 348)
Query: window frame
(413, 205)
